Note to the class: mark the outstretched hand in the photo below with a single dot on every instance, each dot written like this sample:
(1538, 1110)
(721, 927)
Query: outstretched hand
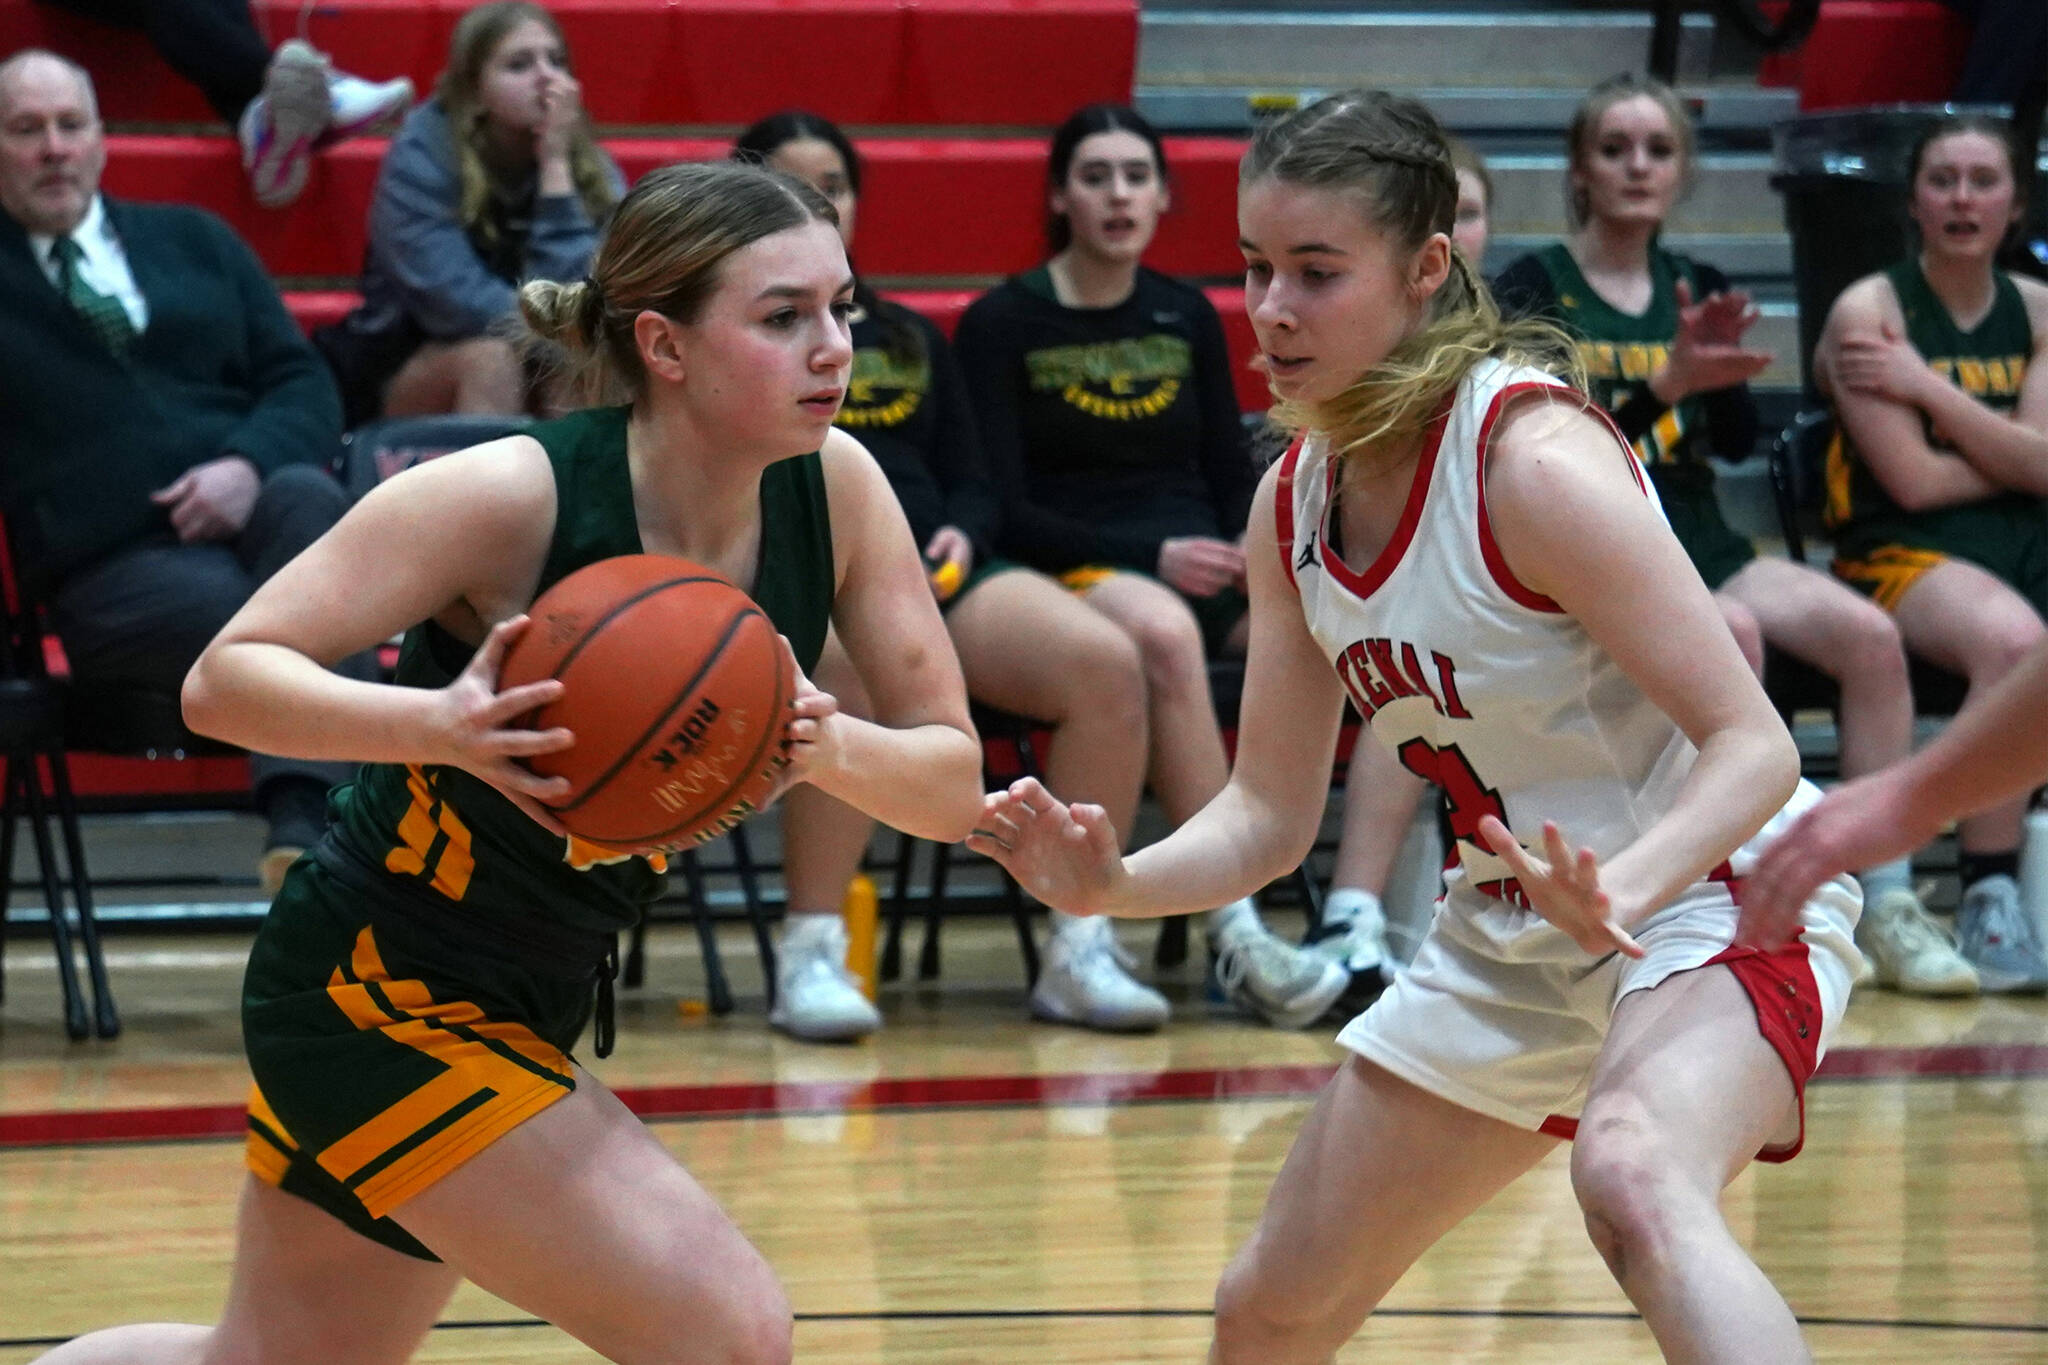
(1858, 824)
(1564, 887)
(475, 727)
(1707, 353)
(1069, 857)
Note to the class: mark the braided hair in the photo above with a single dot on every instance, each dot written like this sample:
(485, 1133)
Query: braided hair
(1388, 153)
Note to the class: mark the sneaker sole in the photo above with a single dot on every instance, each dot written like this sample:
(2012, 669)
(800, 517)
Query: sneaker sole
(1052, 1014)
(1947, 987)
(811, 1035)
(1313, 1005)
(2009, 983)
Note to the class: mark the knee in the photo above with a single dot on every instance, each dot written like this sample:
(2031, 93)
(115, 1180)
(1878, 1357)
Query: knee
(305, 490)
(1874, 648)
(1169, 647)
(1748, 633)
(1626, 1189)
(1258, 1323)
(755, 1327)
(1106, 678)
(2004, 643)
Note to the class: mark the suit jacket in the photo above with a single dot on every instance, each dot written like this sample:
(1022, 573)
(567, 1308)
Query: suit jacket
(86, 435)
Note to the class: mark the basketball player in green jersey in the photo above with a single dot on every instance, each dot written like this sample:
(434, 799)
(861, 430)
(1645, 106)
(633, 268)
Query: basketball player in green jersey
(1938, 479)
(414, 994)
(1661, 340)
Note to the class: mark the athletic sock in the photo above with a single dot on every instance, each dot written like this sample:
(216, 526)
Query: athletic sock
(1896, 875)
(1223, 916)
(1346, 903)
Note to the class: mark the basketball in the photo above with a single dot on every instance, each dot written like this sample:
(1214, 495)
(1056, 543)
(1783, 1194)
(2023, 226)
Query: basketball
(676, 687)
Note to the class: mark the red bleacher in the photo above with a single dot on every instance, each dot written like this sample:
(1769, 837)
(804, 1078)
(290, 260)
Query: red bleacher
(1007, 63)
(956, 209)
(1874, 52)
(930, 206)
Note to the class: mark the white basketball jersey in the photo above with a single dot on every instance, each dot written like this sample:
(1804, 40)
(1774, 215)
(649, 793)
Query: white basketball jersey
(1478, 683)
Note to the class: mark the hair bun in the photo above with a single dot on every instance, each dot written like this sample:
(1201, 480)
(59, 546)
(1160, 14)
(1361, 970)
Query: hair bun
(569, 315)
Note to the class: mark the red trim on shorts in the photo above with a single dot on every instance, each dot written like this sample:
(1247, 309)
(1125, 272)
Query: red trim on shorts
(1786, 997)
(1366, 584)
(1558, 1126)
(1283, 507)
(1489, 548)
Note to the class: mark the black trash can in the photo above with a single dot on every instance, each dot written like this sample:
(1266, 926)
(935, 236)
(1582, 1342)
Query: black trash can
(1843, 175)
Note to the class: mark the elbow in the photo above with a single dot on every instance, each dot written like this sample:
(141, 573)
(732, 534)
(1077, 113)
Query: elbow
(198, 700)
(1778, 768)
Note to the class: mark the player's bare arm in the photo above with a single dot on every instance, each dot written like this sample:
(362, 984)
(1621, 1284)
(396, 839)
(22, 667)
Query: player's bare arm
(917, 765)
(460, 540)
(1573, 524)
(1890, 431)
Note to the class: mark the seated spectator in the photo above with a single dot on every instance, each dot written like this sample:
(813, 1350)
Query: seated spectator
(1104, 396)
(1660, 337)
(493, 182)
(283, 105)
(1938, 372)
(1380, 796)
(1025, 644)
(166, 423)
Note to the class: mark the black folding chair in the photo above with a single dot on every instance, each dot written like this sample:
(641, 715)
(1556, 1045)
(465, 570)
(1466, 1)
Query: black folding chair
(33, 742)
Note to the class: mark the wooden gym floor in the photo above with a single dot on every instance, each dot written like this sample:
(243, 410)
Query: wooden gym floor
(973, 1189)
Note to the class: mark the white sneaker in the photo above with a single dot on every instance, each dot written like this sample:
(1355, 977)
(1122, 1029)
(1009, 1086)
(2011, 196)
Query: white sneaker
(1909, 951)
(1085, 979)
(281, 125)
(356, 106)
(1997, 934)
(816, 998)
(1256, 970)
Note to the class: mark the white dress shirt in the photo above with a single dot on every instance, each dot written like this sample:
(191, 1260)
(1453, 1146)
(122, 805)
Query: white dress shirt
(102, 263)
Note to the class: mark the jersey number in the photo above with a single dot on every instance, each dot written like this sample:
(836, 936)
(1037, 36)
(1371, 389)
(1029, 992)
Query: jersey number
(1467, 799)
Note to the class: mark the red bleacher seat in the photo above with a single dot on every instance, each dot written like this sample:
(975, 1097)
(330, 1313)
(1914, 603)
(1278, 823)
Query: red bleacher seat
(1004, 62)
(931, 206)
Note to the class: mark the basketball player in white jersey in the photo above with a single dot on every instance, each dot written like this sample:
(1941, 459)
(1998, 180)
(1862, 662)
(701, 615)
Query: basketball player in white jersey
(1474, 557)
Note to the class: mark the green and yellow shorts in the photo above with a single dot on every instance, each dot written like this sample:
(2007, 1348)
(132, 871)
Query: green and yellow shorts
(2006, 537)
(377, 1071)
(1217, 616)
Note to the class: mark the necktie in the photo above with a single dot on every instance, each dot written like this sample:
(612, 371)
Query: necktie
(107, 318)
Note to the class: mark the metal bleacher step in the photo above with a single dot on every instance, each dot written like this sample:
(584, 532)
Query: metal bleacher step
(1500, 67)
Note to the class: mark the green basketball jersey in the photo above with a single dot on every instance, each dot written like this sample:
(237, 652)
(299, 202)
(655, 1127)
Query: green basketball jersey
(453, 853)
(1988, 362)
(1621, 351)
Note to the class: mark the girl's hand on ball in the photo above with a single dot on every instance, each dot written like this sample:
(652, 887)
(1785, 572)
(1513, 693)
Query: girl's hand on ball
(475, 727)
(810, 738)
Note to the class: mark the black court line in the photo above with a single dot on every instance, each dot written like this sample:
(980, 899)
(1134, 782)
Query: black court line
(1125, 1314)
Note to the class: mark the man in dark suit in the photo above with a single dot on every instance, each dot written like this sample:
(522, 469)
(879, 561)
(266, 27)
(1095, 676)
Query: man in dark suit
(166, 425)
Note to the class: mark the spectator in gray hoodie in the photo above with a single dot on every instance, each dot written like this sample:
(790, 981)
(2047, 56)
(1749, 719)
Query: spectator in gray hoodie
(493, 182)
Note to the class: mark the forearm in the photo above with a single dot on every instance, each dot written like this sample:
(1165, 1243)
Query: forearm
(1995, 749)
(1742, 777)
(2009, 454)
(924, 780)
(275, 700)
(1229, 849)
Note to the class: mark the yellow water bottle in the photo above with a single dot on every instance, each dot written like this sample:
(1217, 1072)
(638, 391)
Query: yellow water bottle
(861, 910)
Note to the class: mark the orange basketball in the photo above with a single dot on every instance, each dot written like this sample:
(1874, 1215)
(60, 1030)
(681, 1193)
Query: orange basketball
(677, 690)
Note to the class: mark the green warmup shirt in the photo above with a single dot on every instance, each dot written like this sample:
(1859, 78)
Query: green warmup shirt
(1988, 362)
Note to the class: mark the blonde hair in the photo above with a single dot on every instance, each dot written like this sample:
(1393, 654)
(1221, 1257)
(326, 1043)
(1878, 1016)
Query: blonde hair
(662, 253)
(1389, 154)
(1586, 118)
(477, 37)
